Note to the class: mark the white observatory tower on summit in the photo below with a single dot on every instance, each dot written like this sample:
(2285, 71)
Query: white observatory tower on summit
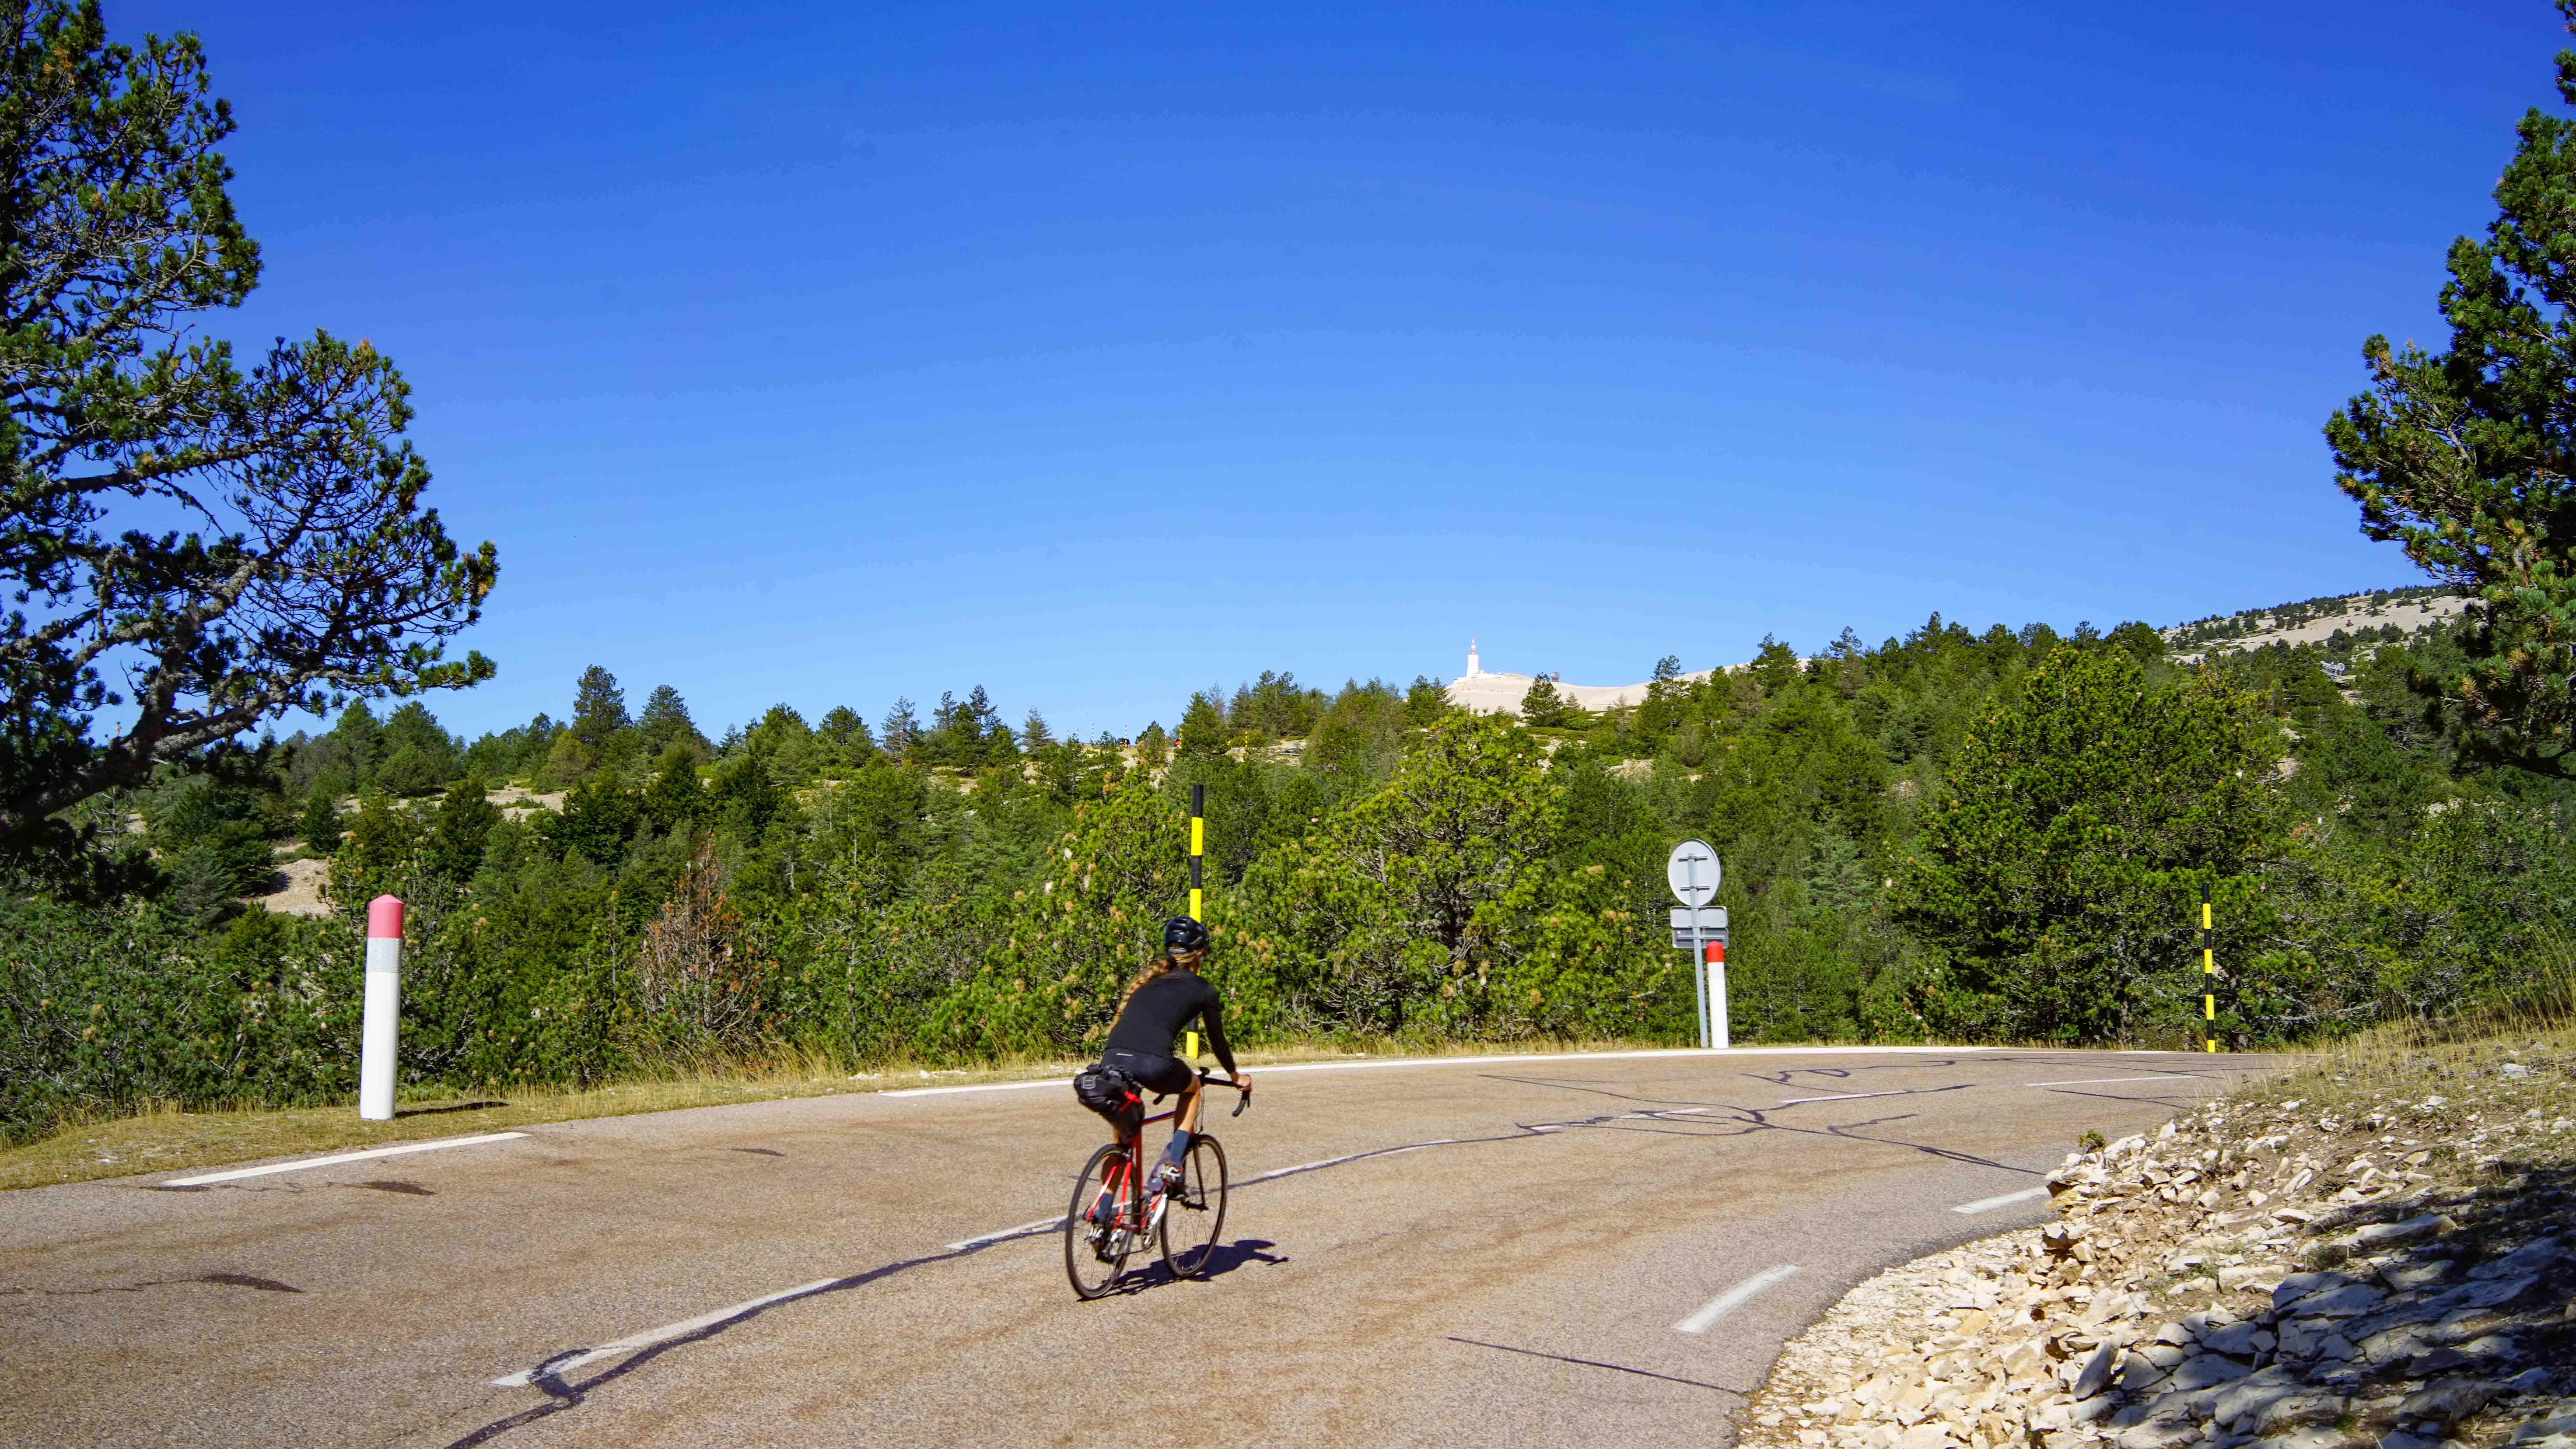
(1472, 670)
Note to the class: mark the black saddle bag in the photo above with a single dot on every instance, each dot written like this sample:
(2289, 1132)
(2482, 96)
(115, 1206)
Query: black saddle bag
(1113, 1094)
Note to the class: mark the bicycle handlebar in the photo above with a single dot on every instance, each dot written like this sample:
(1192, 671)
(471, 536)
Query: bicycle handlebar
(1206, 1076)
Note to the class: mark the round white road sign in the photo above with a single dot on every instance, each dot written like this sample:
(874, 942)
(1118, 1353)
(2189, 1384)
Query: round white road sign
(1693, 870)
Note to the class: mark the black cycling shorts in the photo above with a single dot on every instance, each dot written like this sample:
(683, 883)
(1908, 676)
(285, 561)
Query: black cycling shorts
(1167, 1076)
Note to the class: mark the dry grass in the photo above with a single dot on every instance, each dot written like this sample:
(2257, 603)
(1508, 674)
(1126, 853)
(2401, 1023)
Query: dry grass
(161, 1137)
(2475, 1074)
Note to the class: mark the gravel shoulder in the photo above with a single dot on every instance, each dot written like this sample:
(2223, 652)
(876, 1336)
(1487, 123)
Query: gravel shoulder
(2377, 1251)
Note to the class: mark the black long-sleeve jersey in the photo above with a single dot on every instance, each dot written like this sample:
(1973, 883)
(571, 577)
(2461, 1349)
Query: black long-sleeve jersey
(1153, 1018)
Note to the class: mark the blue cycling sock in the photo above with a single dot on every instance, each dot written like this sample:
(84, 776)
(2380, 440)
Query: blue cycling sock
(1176, 1149)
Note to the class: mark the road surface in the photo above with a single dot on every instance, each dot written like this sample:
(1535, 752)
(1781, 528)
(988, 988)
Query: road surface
(1521, 1251)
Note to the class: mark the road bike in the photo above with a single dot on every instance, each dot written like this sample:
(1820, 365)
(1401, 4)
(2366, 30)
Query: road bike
(1109, 1217)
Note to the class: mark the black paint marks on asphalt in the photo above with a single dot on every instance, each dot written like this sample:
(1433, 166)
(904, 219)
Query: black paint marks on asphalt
(1596, 1363)
(758, 1151)
(408, 1189)
(244, 1280)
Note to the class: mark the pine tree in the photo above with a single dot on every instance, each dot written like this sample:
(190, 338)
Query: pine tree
(675, 797)
(379, 843)
(1035, 737)
(1542, 706)
(320, 821)
(202, 890)
(598, 820)
(598, 710)
(665, 722)
(1152, 747)
(2467, 457)
(412, 724)
(459, 831)
(306, 569)
(901, 729)
(1425, 701)
(407, 774)
(361, 738)
(1202, 733)
(844, 732)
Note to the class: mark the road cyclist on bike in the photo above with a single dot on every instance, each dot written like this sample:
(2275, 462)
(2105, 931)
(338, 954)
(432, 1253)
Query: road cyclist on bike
(1118, 1204)
(1165, 998)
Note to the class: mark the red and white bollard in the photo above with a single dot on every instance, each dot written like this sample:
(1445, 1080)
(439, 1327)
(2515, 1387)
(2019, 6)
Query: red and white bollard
(1717, 994)
(379, 1029)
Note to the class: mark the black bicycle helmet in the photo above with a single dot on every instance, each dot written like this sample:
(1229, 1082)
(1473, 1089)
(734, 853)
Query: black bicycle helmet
(1180, 933)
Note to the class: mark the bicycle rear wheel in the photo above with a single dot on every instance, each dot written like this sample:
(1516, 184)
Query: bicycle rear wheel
(1098, 1230)
(1195, 1215)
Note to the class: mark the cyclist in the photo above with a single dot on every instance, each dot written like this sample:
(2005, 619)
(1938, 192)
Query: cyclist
(1164, 998)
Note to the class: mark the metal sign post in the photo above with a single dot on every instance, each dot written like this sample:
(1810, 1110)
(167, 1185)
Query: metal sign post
(1198, 846)
(1693, 870)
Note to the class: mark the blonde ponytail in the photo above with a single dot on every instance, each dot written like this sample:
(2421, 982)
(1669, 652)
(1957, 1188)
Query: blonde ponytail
(1153, 968)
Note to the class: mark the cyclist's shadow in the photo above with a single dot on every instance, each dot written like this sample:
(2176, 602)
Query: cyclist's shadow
(1226, 1258)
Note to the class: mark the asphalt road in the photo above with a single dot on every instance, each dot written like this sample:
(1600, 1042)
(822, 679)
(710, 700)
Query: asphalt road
(1489, 1253)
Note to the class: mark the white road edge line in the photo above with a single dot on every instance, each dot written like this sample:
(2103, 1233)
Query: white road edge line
(2105, 1081)
(1984, 1204)
(1733, 1298)
(652, 1336)
(1042, 1225)
(1395, 1062)
(338, 1157)
(1846, 1097)
(1337, 1161)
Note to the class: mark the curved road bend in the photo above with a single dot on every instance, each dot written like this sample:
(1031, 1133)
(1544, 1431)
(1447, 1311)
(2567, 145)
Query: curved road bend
(1535, 1251)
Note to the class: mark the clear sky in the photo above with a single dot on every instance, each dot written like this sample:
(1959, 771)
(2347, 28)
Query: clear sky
(826, 353)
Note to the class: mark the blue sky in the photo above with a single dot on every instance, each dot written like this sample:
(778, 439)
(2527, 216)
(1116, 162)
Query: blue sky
(825, 354)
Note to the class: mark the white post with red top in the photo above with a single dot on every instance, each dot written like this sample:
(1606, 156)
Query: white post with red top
(1713, 985)
(379, 1029)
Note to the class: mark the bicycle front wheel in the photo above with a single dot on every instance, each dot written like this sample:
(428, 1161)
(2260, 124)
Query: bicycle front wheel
(1099, 1231)
(1195, 1215)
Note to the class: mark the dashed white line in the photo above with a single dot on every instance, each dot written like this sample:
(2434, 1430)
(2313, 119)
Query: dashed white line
(663, 1334)
(1733, 1298)
(2105, 1081)
(1985, 1204)
(338, 1157)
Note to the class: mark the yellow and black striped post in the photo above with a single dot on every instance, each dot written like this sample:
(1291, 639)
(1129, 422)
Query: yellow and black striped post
(2208, 973)
(1198, 846)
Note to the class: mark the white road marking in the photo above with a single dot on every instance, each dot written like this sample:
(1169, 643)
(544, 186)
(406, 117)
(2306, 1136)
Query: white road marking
(1390, 1063)
(336, 1158)
(987, 1087)
(2008, 1199)
(663, 1334)
(1048, 1225)
(1846, 1097)
(1338, 1161)
(2101, 1081)
(1733, 1298)
(1024, 1230)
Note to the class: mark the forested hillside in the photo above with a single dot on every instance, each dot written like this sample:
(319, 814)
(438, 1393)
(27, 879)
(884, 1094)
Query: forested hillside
(1956, 835)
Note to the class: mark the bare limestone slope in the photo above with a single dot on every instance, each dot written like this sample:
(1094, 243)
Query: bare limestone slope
(2394, 1269)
